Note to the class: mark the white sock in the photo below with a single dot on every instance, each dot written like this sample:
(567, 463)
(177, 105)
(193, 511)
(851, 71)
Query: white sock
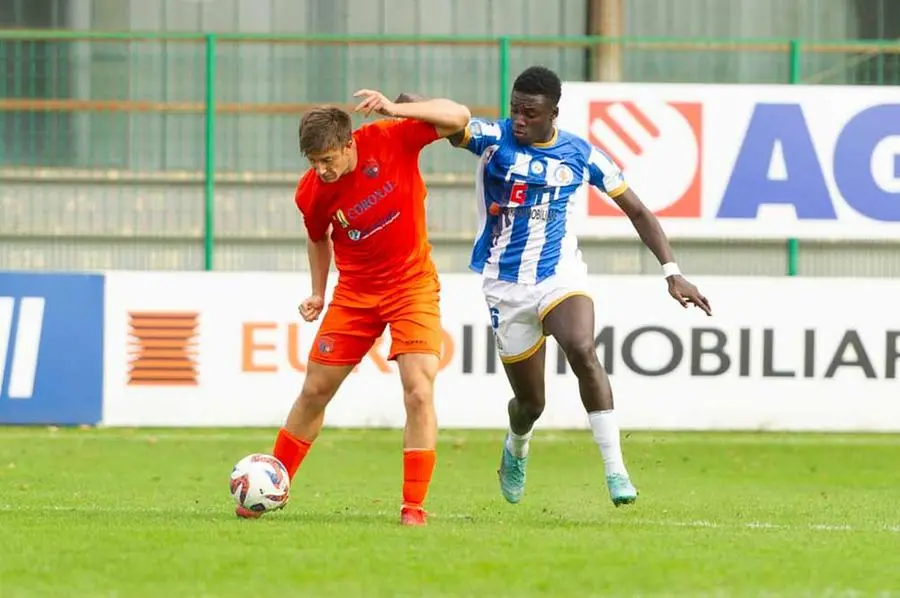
(606, 435)
(518, 444)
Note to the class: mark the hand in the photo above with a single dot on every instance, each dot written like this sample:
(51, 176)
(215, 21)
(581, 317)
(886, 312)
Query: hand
(685, 293)
(374, 101)
(311, 307)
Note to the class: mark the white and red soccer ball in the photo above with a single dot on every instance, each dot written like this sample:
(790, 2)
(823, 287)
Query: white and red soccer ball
(260, 483)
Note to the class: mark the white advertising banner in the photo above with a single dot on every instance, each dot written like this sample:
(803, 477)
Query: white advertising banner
(228, 349)
(748, 161)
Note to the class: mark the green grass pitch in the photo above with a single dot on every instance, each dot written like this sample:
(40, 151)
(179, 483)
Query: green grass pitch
(141, 513)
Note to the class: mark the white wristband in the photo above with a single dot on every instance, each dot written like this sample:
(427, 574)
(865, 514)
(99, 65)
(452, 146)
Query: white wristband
(671, 269)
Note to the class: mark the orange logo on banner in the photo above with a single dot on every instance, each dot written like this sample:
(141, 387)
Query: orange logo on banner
(163, 348)
(259, 356)
(662, 148)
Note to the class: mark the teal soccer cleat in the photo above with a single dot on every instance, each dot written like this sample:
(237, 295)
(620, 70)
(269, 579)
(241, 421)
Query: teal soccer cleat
(621, 490)
(512, 476)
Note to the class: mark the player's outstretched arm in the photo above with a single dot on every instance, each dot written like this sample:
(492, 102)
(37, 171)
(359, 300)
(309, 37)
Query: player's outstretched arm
(407, 97)
(447, 116)
(651, 233)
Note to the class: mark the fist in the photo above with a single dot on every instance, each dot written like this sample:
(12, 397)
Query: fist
(311, 307)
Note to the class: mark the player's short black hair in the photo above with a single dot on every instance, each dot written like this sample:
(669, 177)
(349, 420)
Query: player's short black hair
(539, 80)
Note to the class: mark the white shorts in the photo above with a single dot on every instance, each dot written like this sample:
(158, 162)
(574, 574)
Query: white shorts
(518, 311)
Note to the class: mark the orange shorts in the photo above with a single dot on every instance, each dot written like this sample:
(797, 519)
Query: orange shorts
(349, 330)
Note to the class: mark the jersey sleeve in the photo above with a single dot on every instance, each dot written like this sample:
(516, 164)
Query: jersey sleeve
(305, 199)
(603, 173)
(409, 133)
(479, 135)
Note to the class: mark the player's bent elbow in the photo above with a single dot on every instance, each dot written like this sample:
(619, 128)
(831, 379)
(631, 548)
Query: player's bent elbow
(465, 115)
(457, 122)
(638, 214)
(457, 139)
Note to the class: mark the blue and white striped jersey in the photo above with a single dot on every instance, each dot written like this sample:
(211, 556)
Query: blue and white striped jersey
(524, 196)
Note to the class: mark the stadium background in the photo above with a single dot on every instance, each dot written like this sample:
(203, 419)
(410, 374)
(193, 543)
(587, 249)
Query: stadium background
(117, 154)
(105, 161)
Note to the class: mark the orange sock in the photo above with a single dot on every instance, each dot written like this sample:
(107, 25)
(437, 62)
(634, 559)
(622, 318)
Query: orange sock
(418, 465)
(290, 451)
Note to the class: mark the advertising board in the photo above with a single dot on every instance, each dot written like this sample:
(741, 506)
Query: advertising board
(51, 348)
(745, 161)
(228, 349)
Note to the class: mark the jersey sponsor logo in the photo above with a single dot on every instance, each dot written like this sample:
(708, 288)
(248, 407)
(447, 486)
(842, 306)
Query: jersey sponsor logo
(342, 219)
(507, 215)
(361, 235)
(371, 200)
(538, 212)
(658, 146)
(518, 193)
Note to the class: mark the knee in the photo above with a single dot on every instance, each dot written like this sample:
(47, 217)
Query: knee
(317, 392)
(418, 397)
(582, 356)
(417, 374)
(530, 405)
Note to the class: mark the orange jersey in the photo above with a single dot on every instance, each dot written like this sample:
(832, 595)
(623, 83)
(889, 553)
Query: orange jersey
(377, 211)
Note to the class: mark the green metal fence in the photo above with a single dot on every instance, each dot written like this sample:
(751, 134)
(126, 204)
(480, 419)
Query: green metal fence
(198, 113)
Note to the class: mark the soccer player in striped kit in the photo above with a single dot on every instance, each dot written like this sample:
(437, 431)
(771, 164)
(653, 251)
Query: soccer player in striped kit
(534, 278)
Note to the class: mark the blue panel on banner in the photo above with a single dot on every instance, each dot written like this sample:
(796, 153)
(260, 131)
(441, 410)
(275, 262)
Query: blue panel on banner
(784, 127)
(51, 348)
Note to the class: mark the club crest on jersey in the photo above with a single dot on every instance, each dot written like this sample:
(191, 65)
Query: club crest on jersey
(563, 175)
(341, 219)
(537, 167)
(370, 169)
(354, 234)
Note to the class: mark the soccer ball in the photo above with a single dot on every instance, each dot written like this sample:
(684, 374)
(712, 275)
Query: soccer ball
(260, 483)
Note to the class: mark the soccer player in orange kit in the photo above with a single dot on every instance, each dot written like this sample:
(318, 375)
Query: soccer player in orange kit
(364, 197)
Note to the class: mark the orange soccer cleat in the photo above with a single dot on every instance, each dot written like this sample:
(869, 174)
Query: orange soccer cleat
(414, 516)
